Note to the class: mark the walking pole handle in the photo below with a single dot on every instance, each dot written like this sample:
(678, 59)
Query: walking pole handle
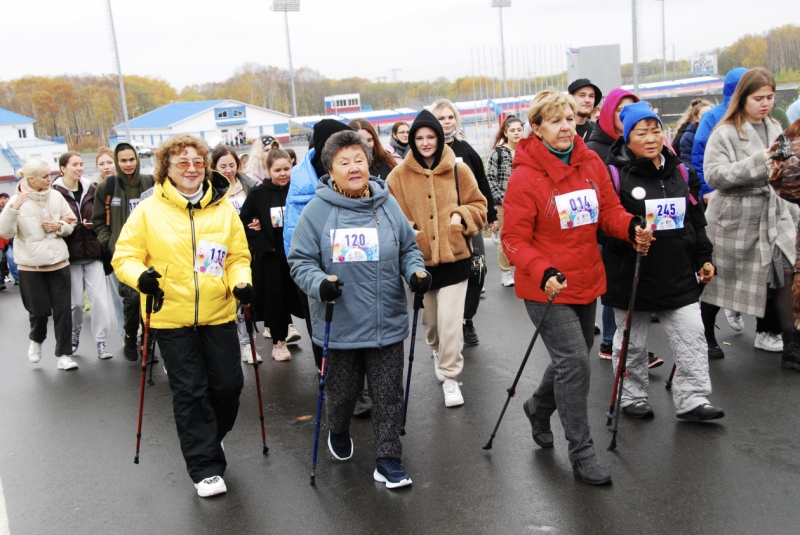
(419, 298)
(329, 306)
(642, 225)
(560, 278)
(153, 303)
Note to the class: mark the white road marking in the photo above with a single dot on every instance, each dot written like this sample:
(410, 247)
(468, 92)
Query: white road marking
(3, 516)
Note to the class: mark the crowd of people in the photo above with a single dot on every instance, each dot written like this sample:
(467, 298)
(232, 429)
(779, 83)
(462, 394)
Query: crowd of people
(580, 200)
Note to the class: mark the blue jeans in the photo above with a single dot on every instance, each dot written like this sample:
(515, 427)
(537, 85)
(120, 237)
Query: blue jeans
(609, 325)
(12, 266)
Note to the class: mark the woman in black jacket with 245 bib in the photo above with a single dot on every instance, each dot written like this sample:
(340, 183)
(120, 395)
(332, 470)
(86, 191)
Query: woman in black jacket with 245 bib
(276, 293)
(653, 183)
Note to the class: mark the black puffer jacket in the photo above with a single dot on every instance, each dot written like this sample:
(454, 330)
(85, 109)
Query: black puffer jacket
(667, 279)
(600, 142)
(82, 243)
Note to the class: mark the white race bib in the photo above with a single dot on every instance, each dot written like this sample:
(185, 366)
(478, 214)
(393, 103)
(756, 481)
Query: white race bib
(276, 216)
(210, 258)
(236, 204)
(577, 208)
(132, 203)
(665, 214)
(355, 245)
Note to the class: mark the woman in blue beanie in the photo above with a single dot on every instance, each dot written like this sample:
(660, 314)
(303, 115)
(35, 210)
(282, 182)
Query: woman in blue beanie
(652, 182)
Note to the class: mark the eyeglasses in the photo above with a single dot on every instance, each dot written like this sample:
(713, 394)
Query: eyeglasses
(184, 164)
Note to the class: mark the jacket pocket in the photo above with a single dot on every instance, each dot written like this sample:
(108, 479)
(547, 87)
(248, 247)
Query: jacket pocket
(424, 246)
(551, 204)
(458, 243)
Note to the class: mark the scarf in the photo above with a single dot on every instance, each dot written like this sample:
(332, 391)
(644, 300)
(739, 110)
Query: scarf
(363, 195)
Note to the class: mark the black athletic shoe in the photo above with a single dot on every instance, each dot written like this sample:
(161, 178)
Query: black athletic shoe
(131, 349)
(341, 446)
(653, 317)
(470, 334)
(653, 361)
(791, 350)
(715, 352)
(703, 413)
(605, 351)
(640, 409)
(540, 429)
(597, 329)
(588, 471)
(363, 405)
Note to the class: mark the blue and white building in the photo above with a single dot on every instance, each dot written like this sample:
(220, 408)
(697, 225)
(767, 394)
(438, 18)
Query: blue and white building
(216, 121)
(18, 144)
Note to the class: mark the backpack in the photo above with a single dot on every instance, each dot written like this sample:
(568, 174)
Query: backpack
(682, 168)
(111, 186)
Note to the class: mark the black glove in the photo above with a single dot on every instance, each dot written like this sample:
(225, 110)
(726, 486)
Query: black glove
(329, 291)
(244, 295)
(420, 286)
(148, 282)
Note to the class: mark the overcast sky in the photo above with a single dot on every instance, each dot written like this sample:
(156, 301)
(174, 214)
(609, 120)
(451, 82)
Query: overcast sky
(196, 41)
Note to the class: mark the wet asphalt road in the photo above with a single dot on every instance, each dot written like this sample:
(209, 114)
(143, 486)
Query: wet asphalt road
(67, 444)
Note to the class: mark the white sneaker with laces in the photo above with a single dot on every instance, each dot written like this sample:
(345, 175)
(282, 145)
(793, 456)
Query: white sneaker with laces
(247, 354)
(35, 352)
(769, 342)
(65, 363)
(293, 336)
(267, 334)
(452, 393)
(280, 352)
(734, 319)
(103, 352)
(507, 279)
(211, 486)
(436, 369)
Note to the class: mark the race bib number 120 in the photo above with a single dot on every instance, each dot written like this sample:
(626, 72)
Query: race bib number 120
(210, 258)
(355, 245)
(577, 208)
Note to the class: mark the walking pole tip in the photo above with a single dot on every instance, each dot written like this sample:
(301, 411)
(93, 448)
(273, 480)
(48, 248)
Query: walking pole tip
(488, 445)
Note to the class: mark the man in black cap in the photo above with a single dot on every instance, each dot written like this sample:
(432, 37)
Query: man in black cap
(587, 96)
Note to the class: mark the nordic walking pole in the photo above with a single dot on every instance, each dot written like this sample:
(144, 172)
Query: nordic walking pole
(513, 390)
(619, 379)
(418, 299)
(149, 308)
(153, 360)
(249, 324)
(328, 318)
(705, 272)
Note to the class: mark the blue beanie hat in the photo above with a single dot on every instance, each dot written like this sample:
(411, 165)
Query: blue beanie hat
(632, 114)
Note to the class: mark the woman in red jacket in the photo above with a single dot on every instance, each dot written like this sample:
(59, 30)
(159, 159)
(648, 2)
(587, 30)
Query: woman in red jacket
(558, 195)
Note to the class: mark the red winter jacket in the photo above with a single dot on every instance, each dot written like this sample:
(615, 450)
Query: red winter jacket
(532, 235)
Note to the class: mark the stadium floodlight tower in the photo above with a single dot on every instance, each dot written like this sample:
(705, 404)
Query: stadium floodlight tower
(501, 4)
(664, 36)
(286, 6)
(113, 37)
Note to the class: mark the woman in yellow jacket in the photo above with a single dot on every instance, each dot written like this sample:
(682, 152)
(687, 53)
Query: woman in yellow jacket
(191, 234)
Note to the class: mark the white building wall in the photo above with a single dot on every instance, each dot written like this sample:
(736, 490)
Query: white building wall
(9, 132)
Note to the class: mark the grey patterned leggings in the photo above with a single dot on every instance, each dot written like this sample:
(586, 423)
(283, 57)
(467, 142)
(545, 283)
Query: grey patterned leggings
(344, 381)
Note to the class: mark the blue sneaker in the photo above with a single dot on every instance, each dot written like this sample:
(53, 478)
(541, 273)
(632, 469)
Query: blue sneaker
(391, 472)
(341, 445)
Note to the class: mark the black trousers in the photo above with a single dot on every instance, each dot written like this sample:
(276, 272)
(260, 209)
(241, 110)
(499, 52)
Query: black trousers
(307, 313)
(44, 293)
(131, 306)
(473, 298)
(205, 376)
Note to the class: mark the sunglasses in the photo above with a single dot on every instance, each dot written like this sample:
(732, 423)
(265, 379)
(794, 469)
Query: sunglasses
(184, 164)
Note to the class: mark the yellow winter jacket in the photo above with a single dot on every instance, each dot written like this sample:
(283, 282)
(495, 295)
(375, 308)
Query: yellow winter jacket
(187, 246)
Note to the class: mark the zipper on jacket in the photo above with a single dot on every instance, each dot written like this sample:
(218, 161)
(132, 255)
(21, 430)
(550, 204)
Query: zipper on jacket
(663, 188)
(378, 274)
(551, 208)
(592, 184)
(194, 256)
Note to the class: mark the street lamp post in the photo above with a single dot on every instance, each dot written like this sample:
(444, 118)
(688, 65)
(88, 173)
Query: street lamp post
(501, 4)
(635, 47)
(286, 6)
(664, 35)
(119, 73)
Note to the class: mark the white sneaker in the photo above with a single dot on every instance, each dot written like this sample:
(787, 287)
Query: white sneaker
(734, 319)
(211, 486)
(103, 352)
(436, 369)
(452, 393)
(35, 352)
(267, 334)
(280, 352)
(65, 362)
(507, 279)
(769, 342)
(247, 354)
(293, 337)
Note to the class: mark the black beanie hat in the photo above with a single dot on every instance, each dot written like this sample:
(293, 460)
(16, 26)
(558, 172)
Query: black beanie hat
(426, 118)
(584, 82)
(323, 130)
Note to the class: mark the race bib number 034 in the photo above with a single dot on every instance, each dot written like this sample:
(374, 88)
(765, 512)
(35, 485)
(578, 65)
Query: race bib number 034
(577, 208)
(355, 245)
(665, 214)
(210, 258)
